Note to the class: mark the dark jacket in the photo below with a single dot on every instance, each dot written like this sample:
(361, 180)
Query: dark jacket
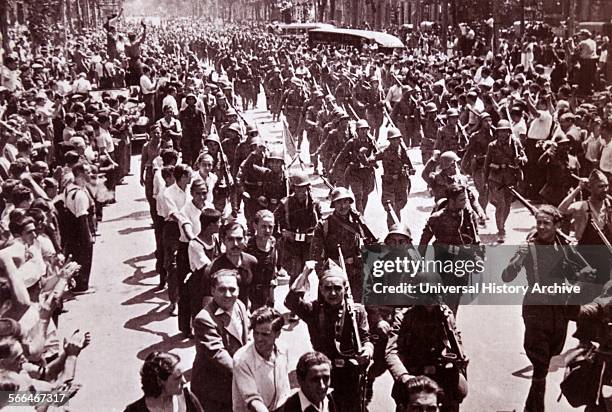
(193, 405)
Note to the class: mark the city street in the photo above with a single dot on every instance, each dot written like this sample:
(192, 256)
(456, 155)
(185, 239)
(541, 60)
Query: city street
(128, 316)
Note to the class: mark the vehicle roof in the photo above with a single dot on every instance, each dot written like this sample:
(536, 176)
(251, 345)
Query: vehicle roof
(383, 39)
(306, 25)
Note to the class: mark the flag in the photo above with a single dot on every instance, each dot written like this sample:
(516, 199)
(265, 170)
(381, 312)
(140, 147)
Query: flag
(289, 142)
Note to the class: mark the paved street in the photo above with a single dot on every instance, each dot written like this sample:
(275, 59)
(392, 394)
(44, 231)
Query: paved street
(128, 316)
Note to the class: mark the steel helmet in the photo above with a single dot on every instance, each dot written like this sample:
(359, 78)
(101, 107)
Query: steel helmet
(399, 229)
(431, 107)
(231, 112)
(213, 137)
(276, 153)
(300, 179)
(393, 133)
(503, 125)
(340, 193)
(447, 158)
(342, 115)
(251, 129)
(452, 113)
(362, 124)
(235, 127)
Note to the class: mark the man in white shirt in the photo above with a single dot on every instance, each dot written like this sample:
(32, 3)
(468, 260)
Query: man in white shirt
(81, 85)
(175, 197)
(260, 380)
(170, 100)
(314, 375)
(189, 226)
(148, 88)
(587, 52)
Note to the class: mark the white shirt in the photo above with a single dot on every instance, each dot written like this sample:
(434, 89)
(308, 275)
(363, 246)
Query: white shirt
(394, 95)
(77, 200)
(175, 199)
(519, 128)
(197, 255)
(146, 85)
(605, 162)
(160, 204)
(255, 378)
(81, 85)
(104, 141)
(540, 126)
(211, 181)
(192, 215)
(305, 403)
(169, 100)
(158, 183)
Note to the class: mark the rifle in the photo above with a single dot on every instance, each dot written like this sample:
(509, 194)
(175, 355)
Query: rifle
(595, 226)
(457, 356)
(227, 176)
(352, 316)
(561, 237)
(391, 211)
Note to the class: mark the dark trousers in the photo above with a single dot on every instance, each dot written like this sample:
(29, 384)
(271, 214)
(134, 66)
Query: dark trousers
(158, 226)
(184, 297)
(170, 240)
(82, 253)
(345, 382)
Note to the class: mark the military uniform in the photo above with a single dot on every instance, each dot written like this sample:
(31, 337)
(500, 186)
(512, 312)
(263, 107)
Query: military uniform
(332, 334)
(454, 228)
(343, 93)
(345, 231)
(250, 178)
(274, 87)
(336, 138)
(474, 158)
(407, 118)
(502, 169)
(430, 135)
(313, 132)
(375, 103)
(293, 102)
(395, 179)
(545, 315)
(418, 341)
(449, 139)
(193, 123)
(356, 161)
(296, 222)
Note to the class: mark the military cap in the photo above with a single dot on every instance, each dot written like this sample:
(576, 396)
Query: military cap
(191, 95)
(251, 129)
(296, 81)
(484, 115)
(393, 133)
(340, 193)
(333, 271)
(567, 116)
(560, 139)
(220, 96)
(231, 112)
(299, 180)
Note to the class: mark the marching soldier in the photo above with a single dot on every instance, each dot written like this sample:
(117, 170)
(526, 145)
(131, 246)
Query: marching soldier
(225, 181)
(449, 174)
(343, 227)
(313, 127)
(397, 168)
(502, 168)
(275, 181)
(357, 160)
(250, 178)
(545, 314)
(242, 150)
(429, 131)
(193, 122)
(296, 218)
(453, 225)
(329, 148)
(450, 137)
(332, 332)
(292, 102)
(423, 340)
(231, 137)
(375, 104)
(361, 92)
(218, 112)
(474, 157)
(406, 117)
(274, 87)
(343, 91)
(380, 317)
